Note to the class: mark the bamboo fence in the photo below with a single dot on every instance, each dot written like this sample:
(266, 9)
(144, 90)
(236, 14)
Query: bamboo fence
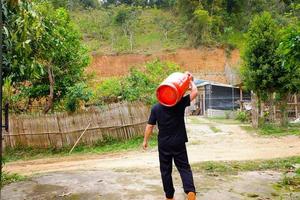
(121, 121)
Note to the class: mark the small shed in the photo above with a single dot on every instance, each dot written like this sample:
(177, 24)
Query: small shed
(215, 99)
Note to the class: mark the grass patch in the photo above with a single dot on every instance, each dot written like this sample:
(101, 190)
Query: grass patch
(274, 130)
(214, 129)
(105, 146)
(103, 36)
(223, 120)
(289, 183)
(233, 167)
(248, 128)
(8, 178)
(209, 120)
(196, 120)
(271, 129)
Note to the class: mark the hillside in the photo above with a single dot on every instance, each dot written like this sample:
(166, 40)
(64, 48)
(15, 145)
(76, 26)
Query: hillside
(148, 30)
(205, 63)
(195, 35)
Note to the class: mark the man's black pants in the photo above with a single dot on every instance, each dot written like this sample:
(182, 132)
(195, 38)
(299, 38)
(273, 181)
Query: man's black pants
(177, 152)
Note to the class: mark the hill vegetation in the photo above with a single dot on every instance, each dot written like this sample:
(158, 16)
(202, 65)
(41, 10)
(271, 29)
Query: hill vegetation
(126, 29)
(140, 27)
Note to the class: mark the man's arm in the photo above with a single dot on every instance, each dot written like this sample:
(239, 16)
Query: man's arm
(194, 91)
(148, 132)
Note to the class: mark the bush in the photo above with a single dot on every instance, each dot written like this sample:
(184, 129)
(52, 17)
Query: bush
(109, 91)
(140, 84)
(76, 94)
(242, 116)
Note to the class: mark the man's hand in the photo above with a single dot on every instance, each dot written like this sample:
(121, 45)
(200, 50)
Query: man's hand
(193, 87)
(145, 145)
(148, 132)
(190, 74)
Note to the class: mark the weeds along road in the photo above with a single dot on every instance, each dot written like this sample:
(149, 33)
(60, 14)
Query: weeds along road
(208, 141)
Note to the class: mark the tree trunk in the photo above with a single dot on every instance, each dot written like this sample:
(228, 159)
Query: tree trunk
(283, 109)
(259, 105)
(49, 104)
(254, 111)
(112, 41)
(131, 40)
(125, 31)
(271, 108)
(166, 35)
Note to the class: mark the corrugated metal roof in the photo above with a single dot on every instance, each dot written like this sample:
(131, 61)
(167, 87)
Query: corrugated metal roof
(200, 82)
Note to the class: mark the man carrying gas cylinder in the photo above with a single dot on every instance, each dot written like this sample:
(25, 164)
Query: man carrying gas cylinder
(168, 114)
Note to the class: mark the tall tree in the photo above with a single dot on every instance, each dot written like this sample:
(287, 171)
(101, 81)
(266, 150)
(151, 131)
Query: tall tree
(289, 61)
(260, 72)
(43, 49)
(127, 17)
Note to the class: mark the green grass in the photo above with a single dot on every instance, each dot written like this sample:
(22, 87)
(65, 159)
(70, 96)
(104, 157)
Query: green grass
(290, 183)
(233, 167)
(8, 178)
(209, 120)
(109, 145)
(197, 120)
(214, 129)
(291, 129)
(223, 120)
(103, 36)
(287, 183)
(275, 130)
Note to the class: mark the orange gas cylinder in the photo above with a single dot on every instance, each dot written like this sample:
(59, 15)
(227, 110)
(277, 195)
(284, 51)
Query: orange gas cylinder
(171, 90)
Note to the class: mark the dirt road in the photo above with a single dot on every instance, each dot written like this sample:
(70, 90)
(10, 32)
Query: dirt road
(135, 175)
(230, 143)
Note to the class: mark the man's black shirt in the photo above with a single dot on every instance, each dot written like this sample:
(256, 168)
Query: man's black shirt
(170, 121)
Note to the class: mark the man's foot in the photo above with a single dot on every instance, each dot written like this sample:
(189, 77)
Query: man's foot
(191, 196)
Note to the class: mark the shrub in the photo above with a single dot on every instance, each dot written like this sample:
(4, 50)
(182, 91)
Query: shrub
(139, 85)
(109, 91)
(76, 94)
(242, 116)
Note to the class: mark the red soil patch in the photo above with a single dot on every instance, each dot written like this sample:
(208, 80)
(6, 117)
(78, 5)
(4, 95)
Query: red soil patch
(205, 63)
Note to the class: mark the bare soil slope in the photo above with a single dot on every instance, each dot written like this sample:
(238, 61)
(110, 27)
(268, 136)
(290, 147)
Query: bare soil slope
(207, 63)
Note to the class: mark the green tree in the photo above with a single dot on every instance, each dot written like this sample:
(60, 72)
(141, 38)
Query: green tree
(201, 20)
(126, 18)
(43, 48)
(289, 61)
(259, 72)
(22, 35)
(201, 24)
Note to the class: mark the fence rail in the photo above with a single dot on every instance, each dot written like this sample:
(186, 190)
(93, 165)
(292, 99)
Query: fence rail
(121, 121)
